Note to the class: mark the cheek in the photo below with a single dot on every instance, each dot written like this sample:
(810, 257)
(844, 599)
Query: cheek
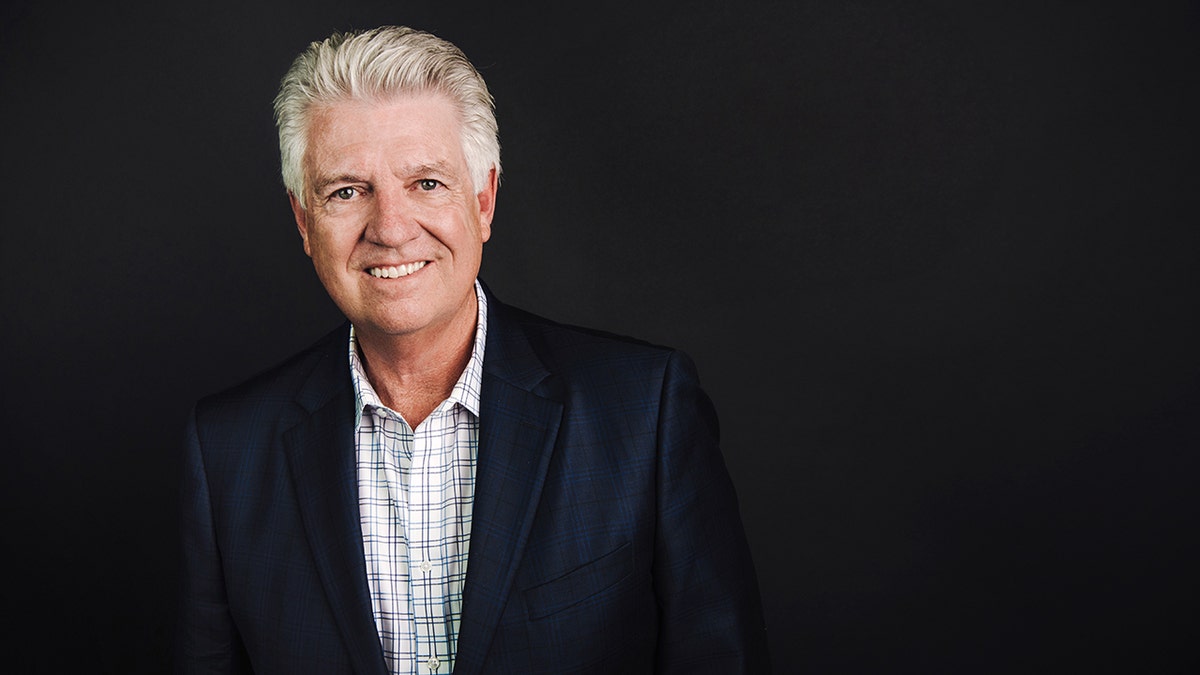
(329, 262)
(330, 242)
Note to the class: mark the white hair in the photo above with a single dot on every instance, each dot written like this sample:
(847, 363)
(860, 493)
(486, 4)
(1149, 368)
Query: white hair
(378, 64)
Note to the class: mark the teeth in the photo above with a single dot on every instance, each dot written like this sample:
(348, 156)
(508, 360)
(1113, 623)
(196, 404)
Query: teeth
(396, 272)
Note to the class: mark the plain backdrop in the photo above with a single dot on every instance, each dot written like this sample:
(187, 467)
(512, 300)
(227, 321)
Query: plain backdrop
(936, 262)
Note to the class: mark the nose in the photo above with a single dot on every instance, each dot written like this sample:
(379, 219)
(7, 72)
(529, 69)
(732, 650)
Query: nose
(392, 219)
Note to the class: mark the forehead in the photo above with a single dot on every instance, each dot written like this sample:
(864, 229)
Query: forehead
(420, 128)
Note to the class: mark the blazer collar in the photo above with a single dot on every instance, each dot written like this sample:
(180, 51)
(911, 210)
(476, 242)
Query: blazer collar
(320, 452)
(519, 423)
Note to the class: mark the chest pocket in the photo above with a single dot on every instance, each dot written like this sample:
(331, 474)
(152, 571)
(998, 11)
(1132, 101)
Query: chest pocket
(580, 583)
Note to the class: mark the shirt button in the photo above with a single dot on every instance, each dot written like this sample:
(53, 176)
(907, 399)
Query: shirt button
(425, 567)
(433, 664)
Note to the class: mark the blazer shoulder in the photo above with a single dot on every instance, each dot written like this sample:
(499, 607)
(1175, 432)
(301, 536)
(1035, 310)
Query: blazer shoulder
(282, 384)
(585, 358)
(555, 340)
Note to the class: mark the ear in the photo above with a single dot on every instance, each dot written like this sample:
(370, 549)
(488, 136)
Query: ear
(301, 221)
(487, 204)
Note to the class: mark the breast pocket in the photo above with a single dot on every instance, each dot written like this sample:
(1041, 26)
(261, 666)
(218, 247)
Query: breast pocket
(580, 583)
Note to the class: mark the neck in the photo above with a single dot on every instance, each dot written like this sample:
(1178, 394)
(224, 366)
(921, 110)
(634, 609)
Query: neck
(413, 376)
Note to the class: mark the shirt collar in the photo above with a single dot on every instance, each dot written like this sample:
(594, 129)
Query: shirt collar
(466, 389)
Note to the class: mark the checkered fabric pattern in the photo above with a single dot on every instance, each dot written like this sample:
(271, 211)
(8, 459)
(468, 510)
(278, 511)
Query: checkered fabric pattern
(415, 492)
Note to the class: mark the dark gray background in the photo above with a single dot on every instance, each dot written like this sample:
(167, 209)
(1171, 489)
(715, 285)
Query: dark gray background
(937, 266)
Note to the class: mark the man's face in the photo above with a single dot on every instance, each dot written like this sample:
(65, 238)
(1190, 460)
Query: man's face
(394, 226)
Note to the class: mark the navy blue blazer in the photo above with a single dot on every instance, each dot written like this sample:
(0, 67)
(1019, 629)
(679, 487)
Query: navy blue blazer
(605, 536)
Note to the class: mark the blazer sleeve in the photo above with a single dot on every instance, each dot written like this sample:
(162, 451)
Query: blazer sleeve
(206, 639)
(711, 618)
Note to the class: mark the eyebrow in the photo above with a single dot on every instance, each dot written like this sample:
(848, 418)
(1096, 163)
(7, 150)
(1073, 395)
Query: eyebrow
(322, 184)
(438, 168)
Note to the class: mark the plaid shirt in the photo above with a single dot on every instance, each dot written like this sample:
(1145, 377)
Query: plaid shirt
(415, 491)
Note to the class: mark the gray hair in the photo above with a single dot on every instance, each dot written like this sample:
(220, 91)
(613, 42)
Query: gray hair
(374, 65)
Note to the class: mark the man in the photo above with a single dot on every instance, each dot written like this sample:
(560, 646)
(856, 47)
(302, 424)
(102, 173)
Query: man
(447, 483)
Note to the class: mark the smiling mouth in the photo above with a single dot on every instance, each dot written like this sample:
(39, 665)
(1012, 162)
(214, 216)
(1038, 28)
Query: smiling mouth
(396, 271)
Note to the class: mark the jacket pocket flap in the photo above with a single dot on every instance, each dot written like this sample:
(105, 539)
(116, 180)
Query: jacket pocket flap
(580, 583)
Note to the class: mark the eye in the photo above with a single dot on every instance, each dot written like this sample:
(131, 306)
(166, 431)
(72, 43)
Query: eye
(428, 184)
(344, 193)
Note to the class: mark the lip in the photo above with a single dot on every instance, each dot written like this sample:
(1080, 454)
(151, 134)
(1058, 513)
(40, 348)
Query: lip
(396, 271)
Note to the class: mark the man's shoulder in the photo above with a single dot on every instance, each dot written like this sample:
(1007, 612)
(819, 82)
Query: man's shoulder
(285, 382)
(568, 348)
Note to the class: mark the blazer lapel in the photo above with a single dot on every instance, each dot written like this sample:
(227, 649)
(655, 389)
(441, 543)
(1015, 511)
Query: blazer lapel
(320, 451)
(518, 428)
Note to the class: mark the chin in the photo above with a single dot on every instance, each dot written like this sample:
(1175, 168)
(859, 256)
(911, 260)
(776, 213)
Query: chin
(389, 326)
